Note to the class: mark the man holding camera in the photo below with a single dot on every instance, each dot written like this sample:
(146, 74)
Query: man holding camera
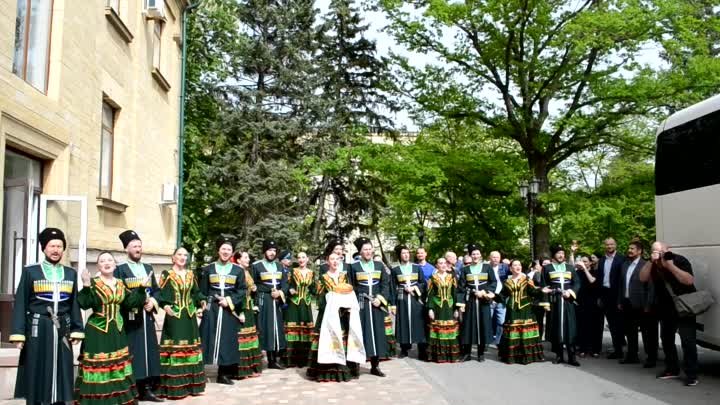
(673, 272)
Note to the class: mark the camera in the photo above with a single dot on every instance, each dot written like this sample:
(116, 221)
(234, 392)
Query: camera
(668, 256)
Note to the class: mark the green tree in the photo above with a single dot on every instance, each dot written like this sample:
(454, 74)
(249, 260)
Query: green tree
(244, 179)
(350, 79)
(552, 77)
(454, 183)
(622, 206)
(210, 42)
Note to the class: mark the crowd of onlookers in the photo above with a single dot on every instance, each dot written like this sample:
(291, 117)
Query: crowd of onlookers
(631, 291)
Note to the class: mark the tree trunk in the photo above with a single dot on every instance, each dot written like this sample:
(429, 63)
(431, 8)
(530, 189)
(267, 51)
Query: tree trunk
(541, 224)
(382, 251)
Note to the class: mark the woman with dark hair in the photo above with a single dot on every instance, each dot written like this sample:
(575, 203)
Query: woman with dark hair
(443, 312)
(520, 342)
(181, 361)
(589, 314)
(250, 364)
(105, 375)
(298, 316)
(334, 246)
(338, 360)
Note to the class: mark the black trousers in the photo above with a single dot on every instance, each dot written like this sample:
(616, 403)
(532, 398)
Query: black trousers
(635, 319)
(540, 318)
(670, 324)
(148, 383)
(591, 325)
(614, 318)
(422, 348)
(227, 370)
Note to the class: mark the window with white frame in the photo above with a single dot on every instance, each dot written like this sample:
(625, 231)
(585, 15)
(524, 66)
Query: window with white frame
(107, 136)
(157, 44)
(115, 5)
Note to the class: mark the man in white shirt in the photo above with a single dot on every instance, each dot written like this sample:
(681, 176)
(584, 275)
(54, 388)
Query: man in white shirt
(635, 300)
(609, 269)
(498, 308)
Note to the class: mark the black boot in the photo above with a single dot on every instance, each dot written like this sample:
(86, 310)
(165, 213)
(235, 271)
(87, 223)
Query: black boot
(481, 353)
(223, 379)
(404, 349)
(422, 351)
(374, 367)
(466, 353)
(272, 361)
(224, 373)
(150, 396)
(571, 356)
(146, 393)
(559, 357)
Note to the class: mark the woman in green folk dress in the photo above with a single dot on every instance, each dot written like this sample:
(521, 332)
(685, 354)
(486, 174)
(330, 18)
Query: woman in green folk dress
(181, 361)
(299, 324)
(105, 375)
(520, 342)
(248, 343)
(443, 313)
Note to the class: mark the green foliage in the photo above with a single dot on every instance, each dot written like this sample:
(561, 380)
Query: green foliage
(282, 103)
(451, 182)
(250, 106)
(350, 79)
(553, 77)
(622, 206)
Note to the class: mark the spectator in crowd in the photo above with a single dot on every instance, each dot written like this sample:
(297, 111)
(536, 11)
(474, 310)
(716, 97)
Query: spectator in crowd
(635, 301)
(609, 268)
(497, 308)
(427, 268)
(591, 322)
(454, 265)
(671, 272)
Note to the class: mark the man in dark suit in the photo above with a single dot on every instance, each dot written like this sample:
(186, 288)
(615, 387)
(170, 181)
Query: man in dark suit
(609, 269)
(635, 304)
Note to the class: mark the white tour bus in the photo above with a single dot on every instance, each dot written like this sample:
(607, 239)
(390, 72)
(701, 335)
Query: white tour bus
(687, 200)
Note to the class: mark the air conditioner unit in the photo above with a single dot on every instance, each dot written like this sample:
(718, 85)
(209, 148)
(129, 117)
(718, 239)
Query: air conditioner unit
(169, 194)
(155, 9)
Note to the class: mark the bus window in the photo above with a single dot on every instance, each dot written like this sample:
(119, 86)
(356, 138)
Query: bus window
(688, 156)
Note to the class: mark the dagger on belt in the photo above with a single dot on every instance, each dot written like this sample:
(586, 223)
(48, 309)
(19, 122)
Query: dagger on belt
(56, 323)
(411, 293)
(371, 299)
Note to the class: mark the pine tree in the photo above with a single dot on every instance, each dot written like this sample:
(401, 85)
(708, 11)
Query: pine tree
(353, 78)
(247, 176)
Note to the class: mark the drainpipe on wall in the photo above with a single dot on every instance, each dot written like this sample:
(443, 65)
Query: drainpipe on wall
(181, 137)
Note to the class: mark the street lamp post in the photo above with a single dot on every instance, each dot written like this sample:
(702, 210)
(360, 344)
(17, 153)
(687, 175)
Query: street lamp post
(529, 192)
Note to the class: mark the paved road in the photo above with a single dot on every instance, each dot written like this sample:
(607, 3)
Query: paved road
(410, 382)
(597, 381)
